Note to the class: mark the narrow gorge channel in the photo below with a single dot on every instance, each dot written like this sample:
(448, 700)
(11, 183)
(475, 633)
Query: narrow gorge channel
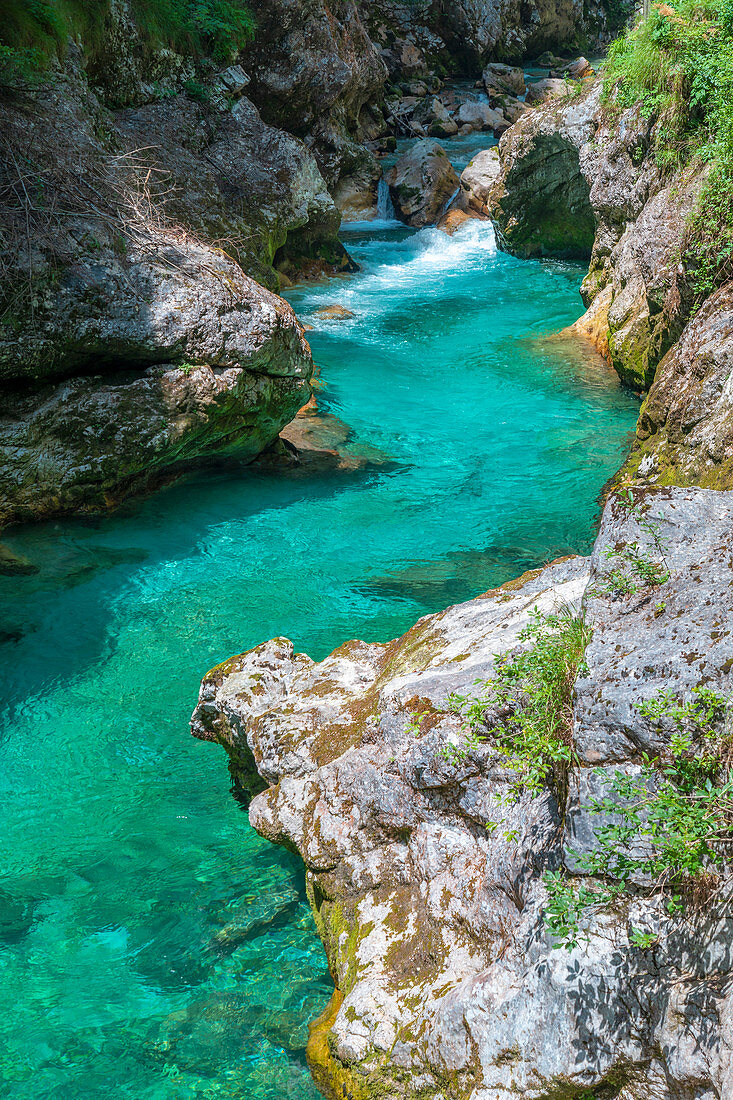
(149, 937)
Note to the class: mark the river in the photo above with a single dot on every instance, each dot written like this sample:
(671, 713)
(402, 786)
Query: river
(151, 945)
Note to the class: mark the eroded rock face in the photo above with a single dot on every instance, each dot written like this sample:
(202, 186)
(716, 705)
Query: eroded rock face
(685, 430)
(114, 271)
(230, 178)
(447, 983)
(315, 71)
(422, 183)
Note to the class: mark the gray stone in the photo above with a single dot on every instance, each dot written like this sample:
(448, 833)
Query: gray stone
(433, 924)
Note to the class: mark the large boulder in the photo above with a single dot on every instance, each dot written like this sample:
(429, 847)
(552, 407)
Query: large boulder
(427, 882)
(227, 175)
(540, 91)
(576, 182)
(422, 183)
(504, 79)
(478, 179)
(542, 201)
(480, 116)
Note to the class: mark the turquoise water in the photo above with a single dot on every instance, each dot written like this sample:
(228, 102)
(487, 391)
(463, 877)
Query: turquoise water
(151, 946)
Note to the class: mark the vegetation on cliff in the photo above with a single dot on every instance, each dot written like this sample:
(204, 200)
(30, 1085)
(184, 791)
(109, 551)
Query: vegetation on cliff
(33, 31)
(677, 65)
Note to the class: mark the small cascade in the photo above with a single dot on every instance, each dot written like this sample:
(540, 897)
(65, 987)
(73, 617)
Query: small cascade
(385, 206)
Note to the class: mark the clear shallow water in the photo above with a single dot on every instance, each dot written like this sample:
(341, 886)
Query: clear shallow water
(151, 946)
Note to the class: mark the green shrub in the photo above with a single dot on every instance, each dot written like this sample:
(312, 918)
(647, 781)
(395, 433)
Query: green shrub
(32, 31)
(525, 709)
(670, 824)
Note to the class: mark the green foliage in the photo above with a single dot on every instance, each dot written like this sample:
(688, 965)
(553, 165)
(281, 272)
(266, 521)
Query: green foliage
(678, 65)
(33, 31)
(668, 825)
(525, 708)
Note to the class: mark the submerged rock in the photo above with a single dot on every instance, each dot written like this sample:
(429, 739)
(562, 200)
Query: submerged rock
(334, 313)
(422, 183)
(433, 924)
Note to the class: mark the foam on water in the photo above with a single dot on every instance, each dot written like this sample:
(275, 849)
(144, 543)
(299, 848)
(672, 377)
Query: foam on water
(152, 947)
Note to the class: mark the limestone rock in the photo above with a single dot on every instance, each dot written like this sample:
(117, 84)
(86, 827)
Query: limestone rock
(579, 69)
(314, 71)
(574, 182)
(542, 198)
(685, 431)
(549, 88)
(433, 925)
(230, 177)
(478, 179)
(502, 79)
(422, 183)
(480, 116)
(84, 443)
(109, 283)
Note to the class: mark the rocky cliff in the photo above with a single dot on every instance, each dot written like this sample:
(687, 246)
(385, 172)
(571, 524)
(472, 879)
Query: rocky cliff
(449, 982)
(137, 205)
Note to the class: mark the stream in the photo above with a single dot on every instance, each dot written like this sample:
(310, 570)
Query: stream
(151, 945)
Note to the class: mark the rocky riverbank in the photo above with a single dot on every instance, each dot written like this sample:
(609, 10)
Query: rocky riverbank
(154, 193)
(441, 893)
(448, 982)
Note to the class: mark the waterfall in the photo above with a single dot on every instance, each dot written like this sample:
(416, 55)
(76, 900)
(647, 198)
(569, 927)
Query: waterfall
(385, 207)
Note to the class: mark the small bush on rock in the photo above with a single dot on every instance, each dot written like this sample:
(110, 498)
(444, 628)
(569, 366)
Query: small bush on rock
(668, 824)
(525, 709)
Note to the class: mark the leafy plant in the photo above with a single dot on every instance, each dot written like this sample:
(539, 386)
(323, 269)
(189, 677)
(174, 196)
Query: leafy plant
(677, 65)
(634, 566)
(32, 31)
(668, 826)
(524, 710)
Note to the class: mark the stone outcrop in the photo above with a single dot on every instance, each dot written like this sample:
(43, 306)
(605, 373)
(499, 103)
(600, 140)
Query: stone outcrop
(133, 344)
(422, 183)
(578, 180)
(230, 178)
(541, 201)
(447, 980)
(685, 430)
